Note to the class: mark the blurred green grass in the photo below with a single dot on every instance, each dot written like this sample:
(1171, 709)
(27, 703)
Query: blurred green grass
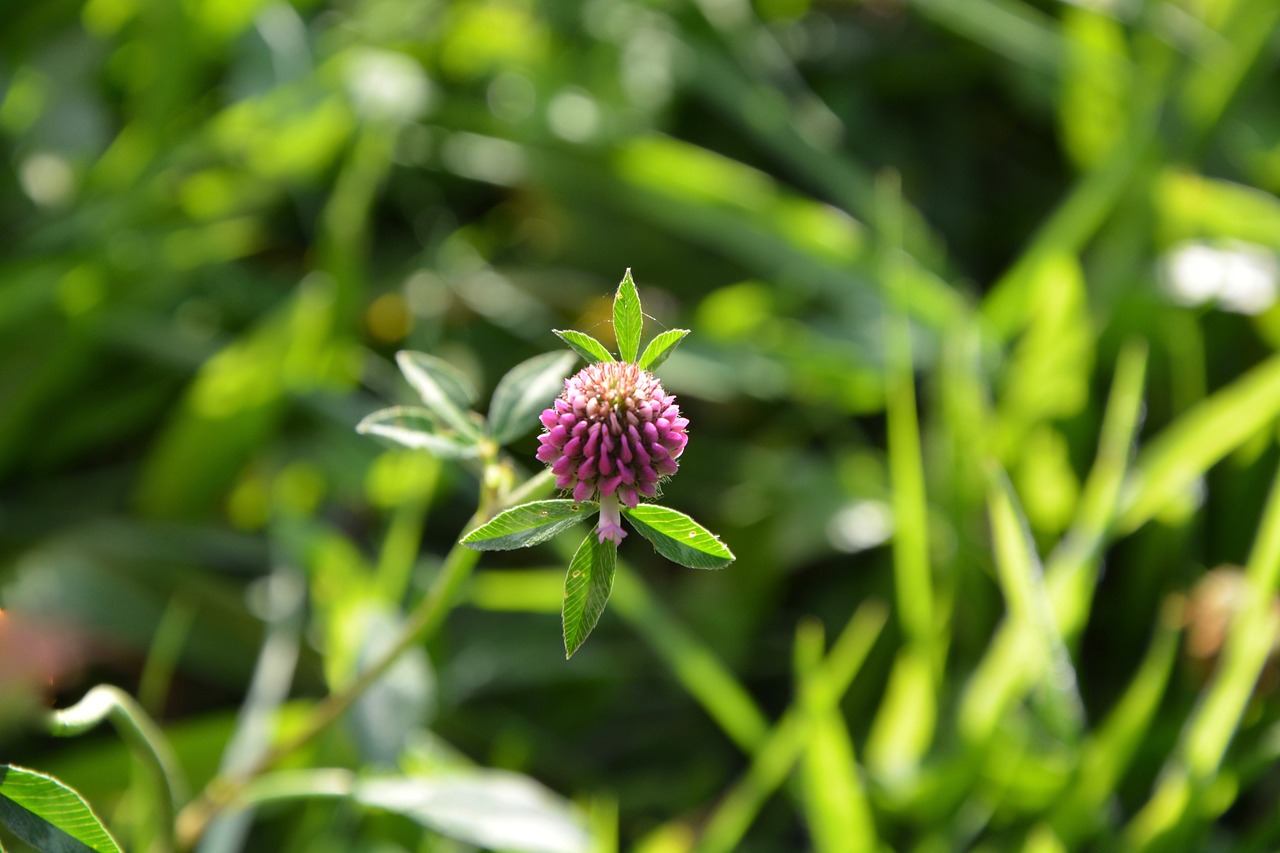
(1020, 404)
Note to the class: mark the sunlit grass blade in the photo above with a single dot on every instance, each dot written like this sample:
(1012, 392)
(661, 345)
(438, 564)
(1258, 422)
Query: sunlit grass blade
(492, 809)
(1072, 566)
(1182, 790)
(904, 724)
(587, 586)
(628, 319)
(1171, 463)
(834, 798)
(776, 757)
(1022, 582)
(1112, 746)
(1008, 667)
(700, 672)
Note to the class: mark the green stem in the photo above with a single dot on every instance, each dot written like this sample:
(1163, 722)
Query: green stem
(422, 623)
(143, 738)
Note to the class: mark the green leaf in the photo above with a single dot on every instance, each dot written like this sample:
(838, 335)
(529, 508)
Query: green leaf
(678, 537)
(492, 809)
(1168, 465)
(584, 345)
(48, 815)
(524, 392)
(587, 586)
(660, 348)
(628, 319)
(414, 427)
(528, 524)
(443, 388)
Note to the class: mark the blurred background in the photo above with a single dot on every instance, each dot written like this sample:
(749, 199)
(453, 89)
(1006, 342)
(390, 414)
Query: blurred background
(220, 219)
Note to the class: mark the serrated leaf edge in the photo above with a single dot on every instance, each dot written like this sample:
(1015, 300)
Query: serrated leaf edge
(587, 353)
(628, 318)
(651, 359)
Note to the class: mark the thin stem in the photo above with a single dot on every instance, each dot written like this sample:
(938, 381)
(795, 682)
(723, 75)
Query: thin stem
(144, 739)
(422, 623)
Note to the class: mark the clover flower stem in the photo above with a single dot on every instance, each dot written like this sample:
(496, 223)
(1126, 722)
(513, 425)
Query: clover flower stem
(425, 619)
(610, 526)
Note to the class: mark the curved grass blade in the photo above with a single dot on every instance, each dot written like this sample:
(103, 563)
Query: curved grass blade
(48, 815)
(587, 586)
(661, 347)
(584, 345)
(528, 524)
(628, 319)
(524, 392)
(678, 537)
(492, 809)
(414, 427)
(444, 389)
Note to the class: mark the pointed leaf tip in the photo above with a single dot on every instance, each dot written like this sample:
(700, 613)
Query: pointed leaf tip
(524, 392)
(660, 348)
(445, 390)
(628, 319)
(413, 426)
(678, 537)
(584, 345)
(528, 524)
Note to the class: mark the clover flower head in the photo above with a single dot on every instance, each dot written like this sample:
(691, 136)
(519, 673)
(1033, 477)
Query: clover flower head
(613, 435)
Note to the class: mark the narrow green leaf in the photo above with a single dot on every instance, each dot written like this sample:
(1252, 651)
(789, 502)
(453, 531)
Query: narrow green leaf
(584, 345)
(443, 388)
(524, 392)
(678, 537)
(493, 809)
(1021, 580)
(528, 524)
(48, 815)
(412, 426)
(587, 586)
(1168, 465)
(628, 319)
(660, 348)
